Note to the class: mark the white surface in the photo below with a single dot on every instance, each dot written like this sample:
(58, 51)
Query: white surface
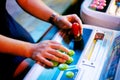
(34, 72)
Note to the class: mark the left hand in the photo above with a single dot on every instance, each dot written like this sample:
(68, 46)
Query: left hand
(45, 51)
(65, 22)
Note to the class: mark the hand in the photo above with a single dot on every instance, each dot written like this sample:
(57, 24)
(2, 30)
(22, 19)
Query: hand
(65, 22)
(48, 50)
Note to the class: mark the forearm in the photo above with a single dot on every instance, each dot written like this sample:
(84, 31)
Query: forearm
(15, 47)
(37, 8)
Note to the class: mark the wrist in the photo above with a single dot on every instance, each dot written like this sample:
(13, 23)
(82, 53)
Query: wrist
(53, 18)
(29, 50)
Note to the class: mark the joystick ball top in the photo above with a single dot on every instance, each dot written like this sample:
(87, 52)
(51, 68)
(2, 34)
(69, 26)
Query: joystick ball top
(76, 31)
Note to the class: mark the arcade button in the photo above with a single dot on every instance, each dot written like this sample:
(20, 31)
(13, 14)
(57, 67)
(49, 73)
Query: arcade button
(93, 6)
(69, 74)
(102, 4)
(71, 53)
(55, 63)
(70, 60)
(63, 66)
(100, 7)
(102, 1)
(96, 2)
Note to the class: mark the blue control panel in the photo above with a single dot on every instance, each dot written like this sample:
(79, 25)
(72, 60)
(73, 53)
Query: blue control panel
(96, 56)
(52, 74)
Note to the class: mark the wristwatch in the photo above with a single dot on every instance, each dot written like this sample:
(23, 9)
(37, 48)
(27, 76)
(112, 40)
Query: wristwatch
(52, 18)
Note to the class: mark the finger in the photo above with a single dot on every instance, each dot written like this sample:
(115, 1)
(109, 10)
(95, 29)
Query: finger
(79, 21)
(58, 59)
(59, 54)
(74, 18)
(65, 23)
(40, 63)
(53, 42)
(43, 60)
(59, 47)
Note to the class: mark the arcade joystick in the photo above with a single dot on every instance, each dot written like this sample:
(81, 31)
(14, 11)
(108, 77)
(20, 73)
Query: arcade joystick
(77, 41)
(76, 31)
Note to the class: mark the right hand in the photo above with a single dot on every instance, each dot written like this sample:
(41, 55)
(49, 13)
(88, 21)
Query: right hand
(65, 22)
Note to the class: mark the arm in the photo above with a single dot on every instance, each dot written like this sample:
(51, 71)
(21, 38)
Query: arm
(37, 8)
(15, 47)
(39, 52)
(40, 10)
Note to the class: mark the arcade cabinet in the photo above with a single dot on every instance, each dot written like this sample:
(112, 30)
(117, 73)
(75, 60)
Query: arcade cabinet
(97, 55)
(104, 13)
(97, 60)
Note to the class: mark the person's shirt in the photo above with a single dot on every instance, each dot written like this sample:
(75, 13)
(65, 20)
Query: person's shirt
(4, 26)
